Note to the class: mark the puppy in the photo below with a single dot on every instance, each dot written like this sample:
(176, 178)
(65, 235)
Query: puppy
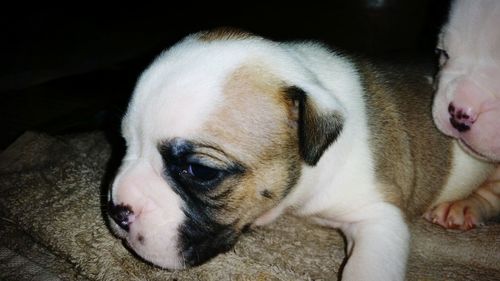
(467, 102)
(227, 130)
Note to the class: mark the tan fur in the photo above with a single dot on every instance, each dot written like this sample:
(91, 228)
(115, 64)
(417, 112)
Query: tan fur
(413, 160)
(225, 33)
(254, 98)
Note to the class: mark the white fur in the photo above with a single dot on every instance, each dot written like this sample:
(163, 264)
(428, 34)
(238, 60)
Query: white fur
(141, 186)
(461, 184)
(473, 30)
(341, 191)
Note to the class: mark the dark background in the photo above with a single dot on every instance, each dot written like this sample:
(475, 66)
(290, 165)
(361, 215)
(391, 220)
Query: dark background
(65, 70)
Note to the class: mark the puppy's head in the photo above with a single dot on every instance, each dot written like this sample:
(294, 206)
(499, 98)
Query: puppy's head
(467, 102)
(217, 131)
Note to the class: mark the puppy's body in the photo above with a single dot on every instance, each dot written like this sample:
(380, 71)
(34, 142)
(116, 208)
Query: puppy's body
(228, 130)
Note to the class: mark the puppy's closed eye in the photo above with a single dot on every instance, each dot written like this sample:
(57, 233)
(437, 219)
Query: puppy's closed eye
(195, 174)
(196, 167)
(201, 172)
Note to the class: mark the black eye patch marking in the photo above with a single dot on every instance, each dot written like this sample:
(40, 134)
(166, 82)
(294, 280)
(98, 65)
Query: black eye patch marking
(196, 171)
(195, 166)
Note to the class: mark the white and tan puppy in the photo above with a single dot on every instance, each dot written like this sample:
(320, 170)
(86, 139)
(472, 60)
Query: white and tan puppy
(227, 130)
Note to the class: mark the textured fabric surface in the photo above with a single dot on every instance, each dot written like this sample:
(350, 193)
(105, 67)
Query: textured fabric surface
(53, 228)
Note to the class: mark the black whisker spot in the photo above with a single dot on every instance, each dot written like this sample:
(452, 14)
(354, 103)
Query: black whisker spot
(266, 193)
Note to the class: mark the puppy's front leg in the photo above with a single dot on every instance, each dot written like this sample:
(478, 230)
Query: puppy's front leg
(378, 244)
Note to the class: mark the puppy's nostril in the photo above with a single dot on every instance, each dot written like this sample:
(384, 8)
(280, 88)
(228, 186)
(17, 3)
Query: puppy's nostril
(451, 108)
(461, 118)
(121, 214)
(459, 126)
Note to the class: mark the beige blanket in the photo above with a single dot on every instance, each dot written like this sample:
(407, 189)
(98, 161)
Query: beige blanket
(52, 228)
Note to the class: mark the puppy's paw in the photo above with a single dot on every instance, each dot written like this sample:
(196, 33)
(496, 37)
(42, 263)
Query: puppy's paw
(470, 212)
(463, 214)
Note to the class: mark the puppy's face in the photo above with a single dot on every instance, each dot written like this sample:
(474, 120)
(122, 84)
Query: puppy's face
(214, 141)
(467, 102)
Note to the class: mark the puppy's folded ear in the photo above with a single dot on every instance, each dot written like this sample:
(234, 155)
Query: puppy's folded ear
(319, 118)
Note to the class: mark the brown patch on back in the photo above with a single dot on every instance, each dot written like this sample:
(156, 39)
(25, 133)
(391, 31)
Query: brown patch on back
(412, 159)
(224, 33)
(253, 125)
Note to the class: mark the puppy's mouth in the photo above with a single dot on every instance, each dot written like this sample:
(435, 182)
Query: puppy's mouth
(116, 230)
(465, 146)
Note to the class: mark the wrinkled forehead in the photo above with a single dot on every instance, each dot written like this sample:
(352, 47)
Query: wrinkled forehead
(232, 99)
(177, 93)
(253, 113)
(472, 31)
(182, 104)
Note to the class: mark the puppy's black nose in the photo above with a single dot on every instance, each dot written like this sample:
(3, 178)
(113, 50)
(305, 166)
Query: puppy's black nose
(460, 119)
(121, 214)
